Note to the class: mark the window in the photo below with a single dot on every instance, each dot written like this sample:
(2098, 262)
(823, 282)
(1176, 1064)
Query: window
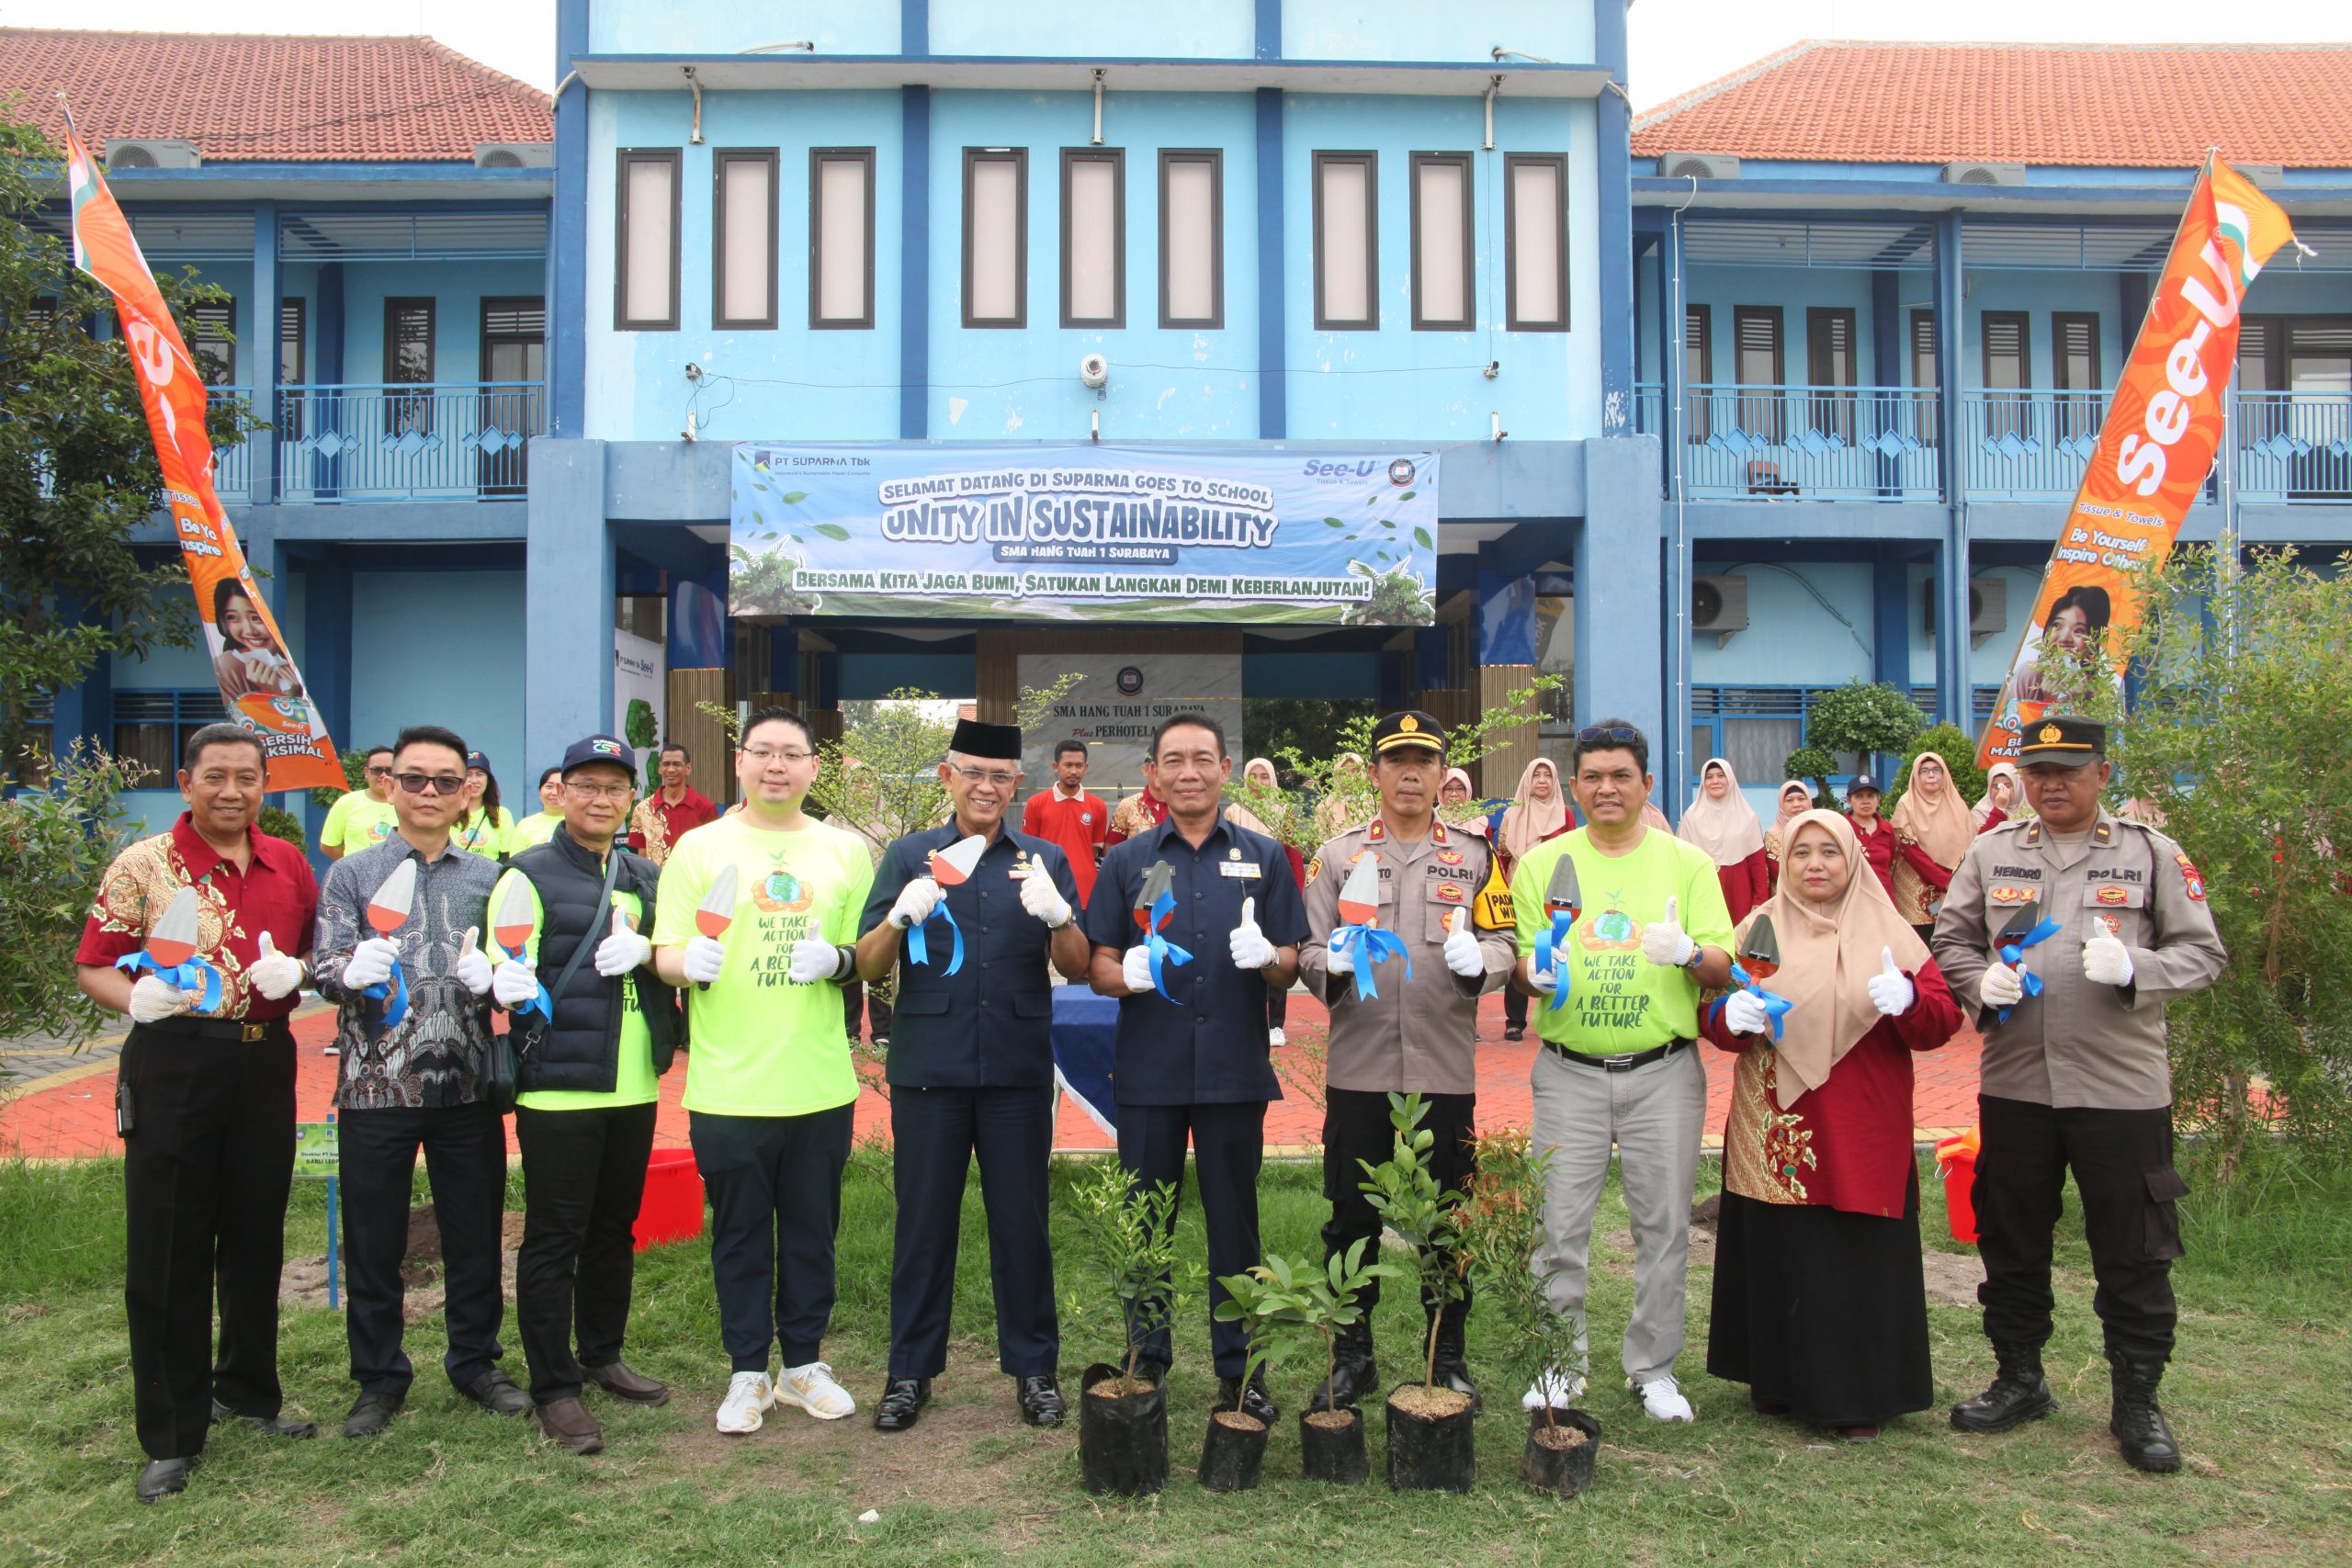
(1756, 362)
(1927, 401)
(1192, 238)
(2006, 342)
(2074, 346)
(152, 728)
(1346, 246)
(841, 238)
(1444, 293)
(1535, 241)
(293, 318)
(645, 251)
(1094, 237)
(212, 342)
(996, 236)
(743, 236)
(1698, 361)
(408, 361)
(2294, 375)
(1829, 362)
(514, 362)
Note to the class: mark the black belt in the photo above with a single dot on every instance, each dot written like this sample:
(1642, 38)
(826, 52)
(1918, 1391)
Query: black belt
(225, 1031)
(1619, 1064)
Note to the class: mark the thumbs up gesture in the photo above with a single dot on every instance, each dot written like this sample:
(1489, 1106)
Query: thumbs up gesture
(274, 974)
(1040, 897)
(1250, 947)
(1891, 989)
(1665, 942)
(623, 951)
(1460, 951)
(473, 968)
(2106, 961)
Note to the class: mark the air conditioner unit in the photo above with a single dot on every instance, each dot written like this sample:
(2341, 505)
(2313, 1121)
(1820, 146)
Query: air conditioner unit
(513, 155)
(2269, 176)
(1719, 606)
(127, 152)
(1697, 167)
(1988, 607)
(1984, 174)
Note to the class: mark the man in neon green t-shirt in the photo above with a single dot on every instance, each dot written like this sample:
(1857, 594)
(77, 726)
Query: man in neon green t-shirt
(770, 1089)
(1620, 1063)
(363, 817)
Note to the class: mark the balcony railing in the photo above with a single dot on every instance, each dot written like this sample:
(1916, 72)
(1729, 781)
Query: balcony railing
(2295, 446)
(444, 441)
(233, 466)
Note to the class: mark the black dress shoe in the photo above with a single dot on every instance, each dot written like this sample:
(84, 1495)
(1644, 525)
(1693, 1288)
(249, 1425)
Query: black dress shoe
(163, 1477)
(496, 1392)
(901, 1404)
(276, 1426)
(1514, 1033)
(1041, 1401)
(1253, 1400)
(371, 1414)
(1348, 1384)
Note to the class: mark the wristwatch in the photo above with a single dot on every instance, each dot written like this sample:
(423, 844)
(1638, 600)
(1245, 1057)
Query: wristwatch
(1697, 957)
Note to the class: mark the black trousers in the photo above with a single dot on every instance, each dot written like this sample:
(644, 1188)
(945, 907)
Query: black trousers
(775, 1203)
(1229, 1145)
(465, 1159)
(2123, 1166)
(205, 1174)
(1277, 1007)
(583, 1177)
(860, 998)
(934, 1135)
(1515, 1007)
(1356, 1127)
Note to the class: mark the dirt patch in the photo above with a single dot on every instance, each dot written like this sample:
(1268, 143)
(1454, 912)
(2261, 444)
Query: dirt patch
(1953, 1278)
(1428, 1404)
(303, 1281)
(1238, 1421)
(1120, 1388)
(1331, 1420)
(1560, 1438)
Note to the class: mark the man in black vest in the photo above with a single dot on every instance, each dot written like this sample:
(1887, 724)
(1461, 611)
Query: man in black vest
(594, 1031)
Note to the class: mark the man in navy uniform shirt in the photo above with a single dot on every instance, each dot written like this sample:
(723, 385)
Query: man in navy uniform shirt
(971, 1071)
(1193, 1061)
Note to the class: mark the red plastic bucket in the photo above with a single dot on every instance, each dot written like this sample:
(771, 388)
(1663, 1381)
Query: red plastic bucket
(1956, 1159)
(673, 1207)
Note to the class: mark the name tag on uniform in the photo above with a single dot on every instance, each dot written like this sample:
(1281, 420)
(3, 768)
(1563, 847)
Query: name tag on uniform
(1246, 870)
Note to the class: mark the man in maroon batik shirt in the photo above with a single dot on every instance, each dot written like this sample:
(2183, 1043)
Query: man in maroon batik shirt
(668, 813)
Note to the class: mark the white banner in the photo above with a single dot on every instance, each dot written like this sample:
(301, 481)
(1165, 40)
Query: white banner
(1123, 699)
(641, 686)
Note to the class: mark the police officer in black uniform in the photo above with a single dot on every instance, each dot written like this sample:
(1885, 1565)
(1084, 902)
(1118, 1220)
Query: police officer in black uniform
(1193, 1063)
(971, 1071)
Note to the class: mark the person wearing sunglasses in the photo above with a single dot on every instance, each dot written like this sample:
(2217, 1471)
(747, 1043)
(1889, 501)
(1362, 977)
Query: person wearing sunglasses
(362, 816)
(412, 992)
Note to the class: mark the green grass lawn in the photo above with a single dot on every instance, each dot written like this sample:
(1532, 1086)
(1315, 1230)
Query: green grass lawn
(2258, 1395)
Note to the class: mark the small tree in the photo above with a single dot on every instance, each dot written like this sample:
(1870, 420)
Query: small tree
(1813, 764)
(1501, 1227)
(354, 777)
(1957, 748)
(1864, 719)
(55, 845)
(1406, 1195)
(1292, 1307)
(1128, 1235)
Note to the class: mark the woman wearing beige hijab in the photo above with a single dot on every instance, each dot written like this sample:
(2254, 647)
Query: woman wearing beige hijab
(1538, 810)
(2002, 793)
(1457, 803)
(1259, 771)
(1351, 801)
(1796, 798)
(1932, 816)
(1819, 1303)
(1720, 822)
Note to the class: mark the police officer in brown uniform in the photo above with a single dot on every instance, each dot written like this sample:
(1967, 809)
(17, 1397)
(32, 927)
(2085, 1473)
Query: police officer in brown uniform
(1415, 1035)
(2075, 1076)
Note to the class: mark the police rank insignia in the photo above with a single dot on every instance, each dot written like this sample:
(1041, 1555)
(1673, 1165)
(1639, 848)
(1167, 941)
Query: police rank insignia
(1449, 857)
(2190, 877)
(1314, 870)
(2113, 895)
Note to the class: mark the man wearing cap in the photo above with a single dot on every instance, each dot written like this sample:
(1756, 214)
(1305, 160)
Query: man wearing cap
(2108, 921)
(595, 1028)
(1191, 1063)
(971, 1069)
(1417, 1034)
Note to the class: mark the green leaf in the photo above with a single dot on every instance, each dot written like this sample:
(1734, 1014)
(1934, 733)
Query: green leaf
(833, 530)
(1407, 496)
(1421, 538)
(1333, 523)
(792, 497)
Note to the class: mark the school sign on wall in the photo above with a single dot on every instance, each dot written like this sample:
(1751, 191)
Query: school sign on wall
(1085, 533)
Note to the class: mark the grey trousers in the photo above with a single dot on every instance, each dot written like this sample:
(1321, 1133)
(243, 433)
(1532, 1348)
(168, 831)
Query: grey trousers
(1653, 1115)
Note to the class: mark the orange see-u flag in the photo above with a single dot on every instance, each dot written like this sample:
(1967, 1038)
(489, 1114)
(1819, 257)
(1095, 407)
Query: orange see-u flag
(259, 684)
(2162, 431)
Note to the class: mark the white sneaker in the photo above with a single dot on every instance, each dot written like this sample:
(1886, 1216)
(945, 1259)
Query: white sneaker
(813, 1389)
(1274, 1037)
(748, 1393)
(1556, 1388)
(1662, 1398)
(329, 1049)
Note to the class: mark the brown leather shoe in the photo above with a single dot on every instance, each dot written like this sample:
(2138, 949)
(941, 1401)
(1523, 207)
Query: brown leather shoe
(622, 1383)
(567, 1421)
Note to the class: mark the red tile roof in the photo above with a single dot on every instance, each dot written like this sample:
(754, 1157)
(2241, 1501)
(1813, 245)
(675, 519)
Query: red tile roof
(2095, 104)
(245, 98)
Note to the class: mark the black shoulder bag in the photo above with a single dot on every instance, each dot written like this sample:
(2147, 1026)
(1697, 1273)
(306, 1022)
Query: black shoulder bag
(499, 1081)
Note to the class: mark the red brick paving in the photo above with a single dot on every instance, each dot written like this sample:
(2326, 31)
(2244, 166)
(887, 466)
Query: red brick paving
(76, 1118)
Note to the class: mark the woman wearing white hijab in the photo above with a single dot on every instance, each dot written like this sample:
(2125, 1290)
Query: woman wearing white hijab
(1259, 771)
(1720, 822)
(1932, 816)
(1539, 810)
(1796, 798)
(1819, 1303)
(2002, 793)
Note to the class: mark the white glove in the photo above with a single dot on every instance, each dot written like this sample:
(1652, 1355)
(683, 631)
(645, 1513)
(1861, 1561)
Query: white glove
(154, 998)
(1343, 959)
(2002, 986)
(1745, 1014)
(814, 959)
(704, 957)
(1250, 947)
(623, 951)
(473, 968)
(370, 962)
(1462, 954)
(1135, 969)
(274, 974)
(1665, 941)
(2106, 961)
(1041, 898)
(1891, 989)
(512, 984)
(916, 901)
(1546, 981)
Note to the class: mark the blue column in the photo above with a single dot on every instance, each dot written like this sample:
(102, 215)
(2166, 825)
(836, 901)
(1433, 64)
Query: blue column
(914, 29)
(327, 372)
(1952, 703)
(1616, 231)
(1270, 29)
(261, 447)
(326, 650)
(1619, 595)
(1274, 380)
(1890, 620)
(567, 597)
(1886, 369)
(566, 285)
(1673, 321)
(914, 258)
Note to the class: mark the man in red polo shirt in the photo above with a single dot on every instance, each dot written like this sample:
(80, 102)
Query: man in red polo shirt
(664, 817)
(205, 1103)
(1067, 815)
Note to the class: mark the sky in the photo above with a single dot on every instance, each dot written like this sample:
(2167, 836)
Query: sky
(1676, 44)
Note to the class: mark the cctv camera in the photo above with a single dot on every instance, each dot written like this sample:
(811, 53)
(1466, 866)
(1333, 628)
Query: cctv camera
(1094, 371)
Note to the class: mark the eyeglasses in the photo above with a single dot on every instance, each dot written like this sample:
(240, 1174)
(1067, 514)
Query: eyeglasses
(770, 754)
(438, 783)
(985, 776)
(379, 772)
(1605, 734)
(599, 791)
